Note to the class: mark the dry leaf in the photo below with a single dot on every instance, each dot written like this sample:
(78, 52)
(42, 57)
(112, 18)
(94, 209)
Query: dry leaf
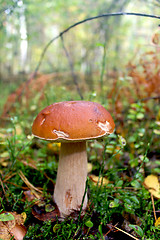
(54, 147)
(152, 184)
(157, 223)
(98, 180)
(4, 233)
(42, 213)
(4, 159)
(13, 228)
(156, 39)
(29, 195)
(40, 209)
(89, 167)
(19, 231)
(29, 162)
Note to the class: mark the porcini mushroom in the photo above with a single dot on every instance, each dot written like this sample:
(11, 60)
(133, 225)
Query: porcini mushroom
(72, 123)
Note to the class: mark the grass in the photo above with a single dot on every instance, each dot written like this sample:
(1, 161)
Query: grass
(124, 159)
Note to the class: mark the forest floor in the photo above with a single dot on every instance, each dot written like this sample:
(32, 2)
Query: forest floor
(123, 169)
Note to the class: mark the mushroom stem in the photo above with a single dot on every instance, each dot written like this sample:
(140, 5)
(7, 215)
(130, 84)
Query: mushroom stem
(71, 177)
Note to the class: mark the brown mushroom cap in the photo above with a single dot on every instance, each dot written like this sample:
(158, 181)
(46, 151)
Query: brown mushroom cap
(73, 121)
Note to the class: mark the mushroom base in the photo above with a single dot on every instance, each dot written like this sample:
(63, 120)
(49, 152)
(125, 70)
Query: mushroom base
(71, 178)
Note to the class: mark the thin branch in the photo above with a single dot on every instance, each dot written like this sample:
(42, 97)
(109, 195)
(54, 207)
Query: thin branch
(149, 98)
(1, 182)
(155, 217)
(126, 233)
(122, 231)
(87, 20)
(31, 187)
(72, 69)
(69, 28)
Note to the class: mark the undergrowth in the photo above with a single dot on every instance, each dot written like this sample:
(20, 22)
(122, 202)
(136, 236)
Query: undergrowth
(123, 202)
(118, 202)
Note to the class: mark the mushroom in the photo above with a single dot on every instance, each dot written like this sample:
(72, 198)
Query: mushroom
(72, 123)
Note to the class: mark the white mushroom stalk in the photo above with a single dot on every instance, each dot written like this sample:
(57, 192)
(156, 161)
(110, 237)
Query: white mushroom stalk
(71, 178)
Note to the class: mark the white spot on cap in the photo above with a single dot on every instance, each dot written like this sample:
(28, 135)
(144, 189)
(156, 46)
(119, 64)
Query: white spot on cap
(43, 121)
(105, 127)
(61, 134)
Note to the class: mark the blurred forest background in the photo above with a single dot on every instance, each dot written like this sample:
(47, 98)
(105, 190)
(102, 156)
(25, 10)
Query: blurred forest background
(93, 55)
(111, 60)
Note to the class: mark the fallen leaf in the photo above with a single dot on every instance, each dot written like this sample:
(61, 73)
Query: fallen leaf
(6, 217)
(19, 231)
(11, 225)
(4, 159)
(41, 214)
(54, 147)
(152, 184)
(41, 210)
(4, 233)
(99, 180)
(156, 39)
(29, 195)
(157, 222)
(89, 167)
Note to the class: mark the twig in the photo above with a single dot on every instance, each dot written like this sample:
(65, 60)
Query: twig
(2, 186)
(85, 192)
(8, 176)
(72, 69)
(149, 98)
(30, 185)
(110, 229)
(69, 28)
(87, 20)
(155, 217)
(126, 233)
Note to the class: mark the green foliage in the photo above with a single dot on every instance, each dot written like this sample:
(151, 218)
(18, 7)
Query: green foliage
(137, 229)
(6, 217)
